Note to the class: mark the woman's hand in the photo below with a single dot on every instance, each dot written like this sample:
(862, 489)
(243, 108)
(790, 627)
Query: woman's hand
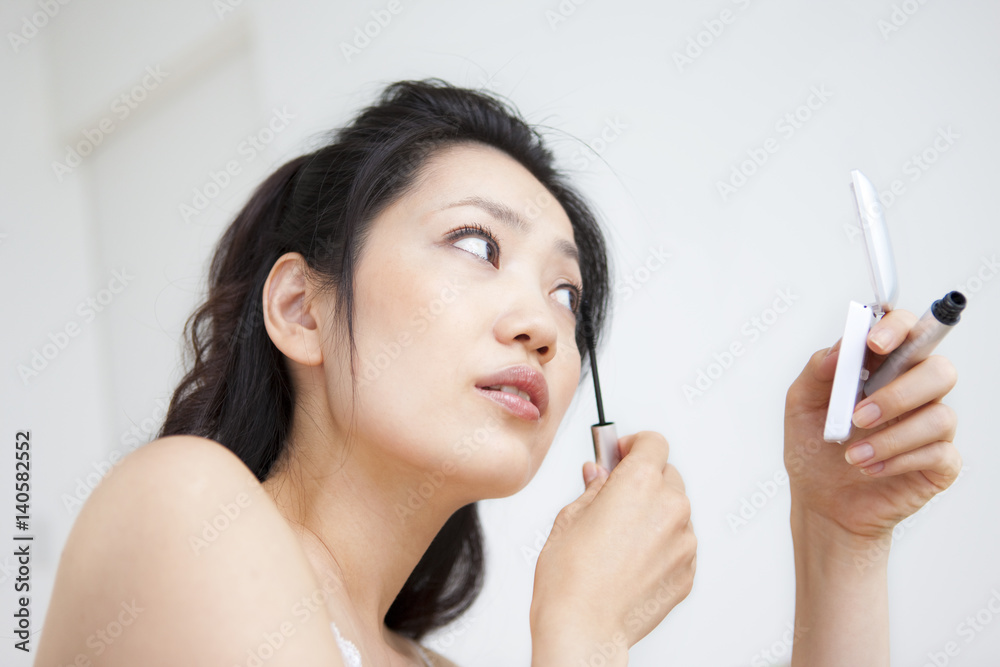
(844, 506)
(618, 559)
(891, 467)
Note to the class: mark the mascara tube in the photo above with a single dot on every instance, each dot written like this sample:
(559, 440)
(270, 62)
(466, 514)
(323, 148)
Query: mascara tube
(605, 445)
(935, 324)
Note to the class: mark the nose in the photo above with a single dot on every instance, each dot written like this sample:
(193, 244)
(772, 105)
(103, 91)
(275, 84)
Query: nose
(531, 322)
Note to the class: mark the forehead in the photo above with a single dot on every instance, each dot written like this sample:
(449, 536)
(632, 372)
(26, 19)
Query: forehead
(477, 174)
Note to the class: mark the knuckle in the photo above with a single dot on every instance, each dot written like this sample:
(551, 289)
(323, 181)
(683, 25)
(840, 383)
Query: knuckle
(952, 459)
(692, 546)
(893, 395)
(643, 473)
(944, 369)
(943, 419)
(795, 398)
(905, 461)
(673, 476)
(683, 506)
(688, 584)
(957, 461)
(888, 442)
(654, 438)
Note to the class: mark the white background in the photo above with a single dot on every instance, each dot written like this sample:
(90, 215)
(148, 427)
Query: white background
(684, 127)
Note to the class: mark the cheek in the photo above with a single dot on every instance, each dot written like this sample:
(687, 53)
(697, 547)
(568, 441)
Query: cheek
(412, 329)
(563, 385)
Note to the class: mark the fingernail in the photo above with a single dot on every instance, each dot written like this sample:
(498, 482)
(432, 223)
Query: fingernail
(867, 415)
(881, 338)
(589, 472)
(859, 453)
(872, 469)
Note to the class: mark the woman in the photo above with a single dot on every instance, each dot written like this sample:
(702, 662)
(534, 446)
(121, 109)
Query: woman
(394, 330)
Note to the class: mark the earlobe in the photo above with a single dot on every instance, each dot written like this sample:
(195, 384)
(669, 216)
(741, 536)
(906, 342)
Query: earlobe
(289, 310)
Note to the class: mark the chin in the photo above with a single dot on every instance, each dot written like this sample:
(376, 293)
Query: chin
(499, 467)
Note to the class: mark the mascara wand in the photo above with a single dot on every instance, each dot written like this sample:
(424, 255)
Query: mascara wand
(604, 434)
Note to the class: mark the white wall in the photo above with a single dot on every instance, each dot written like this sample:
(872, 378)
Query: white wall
(682, 129)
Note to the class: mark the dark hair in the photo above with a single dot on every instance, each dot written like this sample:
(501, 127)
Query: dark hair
(238, 391)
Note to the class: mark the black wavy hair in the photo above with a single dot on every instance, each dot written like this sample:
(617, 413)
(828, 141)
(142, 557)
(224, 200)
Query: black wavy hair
(238, 391)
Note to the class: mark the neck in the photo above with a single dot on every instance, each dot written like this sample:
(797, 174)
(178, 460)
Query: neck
(359, 519)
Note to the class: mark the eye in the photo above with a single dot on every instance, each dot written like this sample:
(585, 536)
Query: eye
(571, 296)
(476, 246)
(477, 240)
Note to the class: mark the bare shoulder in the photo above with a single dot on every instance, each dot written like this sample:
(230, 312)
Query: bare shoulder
(180, 555)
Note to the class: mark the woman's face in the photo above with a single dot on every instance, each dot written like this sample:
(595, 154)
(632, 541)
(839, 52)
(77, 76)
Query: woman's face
(441, 309)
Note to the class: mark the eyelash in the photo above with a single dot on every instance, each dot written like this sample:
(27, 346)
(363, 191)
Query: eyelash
(482, 231)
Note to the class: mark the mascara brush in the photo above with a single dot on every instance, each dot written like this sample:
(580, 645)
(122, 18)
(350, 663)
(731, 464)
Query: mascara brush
(604, 434)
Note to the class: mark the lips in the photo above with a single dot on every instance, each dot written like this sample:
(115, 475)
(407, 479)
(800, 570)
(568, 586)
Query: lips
(509, 387)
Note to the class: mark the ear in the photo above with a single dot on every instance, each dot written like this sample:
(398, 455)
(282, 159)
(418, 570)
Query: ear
(291, 315)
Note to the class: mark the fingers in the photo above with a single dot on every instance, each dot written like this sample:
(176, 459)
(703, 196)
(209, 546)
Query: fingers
(645, 446)
(811, 390)
(889, 332)
(647, 451)
(938, 461)
(933, 422)
(927, 381)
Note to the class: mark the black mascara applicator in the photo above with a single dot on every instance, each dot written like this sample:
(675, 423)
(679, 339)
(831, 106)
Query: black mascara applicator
(605, 436)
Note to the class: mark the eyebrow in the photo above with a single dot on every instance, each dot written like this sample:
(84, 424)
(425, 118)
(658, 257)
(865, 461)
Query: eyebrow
(513, 220)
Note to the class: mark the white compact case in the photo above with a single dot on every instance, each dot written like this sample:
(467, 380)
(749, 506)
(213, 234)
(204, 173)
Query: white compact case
(851, 373)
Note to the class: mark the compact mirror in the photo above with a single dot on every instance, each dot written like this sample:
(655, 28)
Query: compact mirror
(881, 263)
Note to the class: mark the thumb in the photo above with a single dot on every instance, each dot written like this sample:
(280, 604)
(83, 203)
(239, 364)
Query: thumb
(816, 380)
(593, 477)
